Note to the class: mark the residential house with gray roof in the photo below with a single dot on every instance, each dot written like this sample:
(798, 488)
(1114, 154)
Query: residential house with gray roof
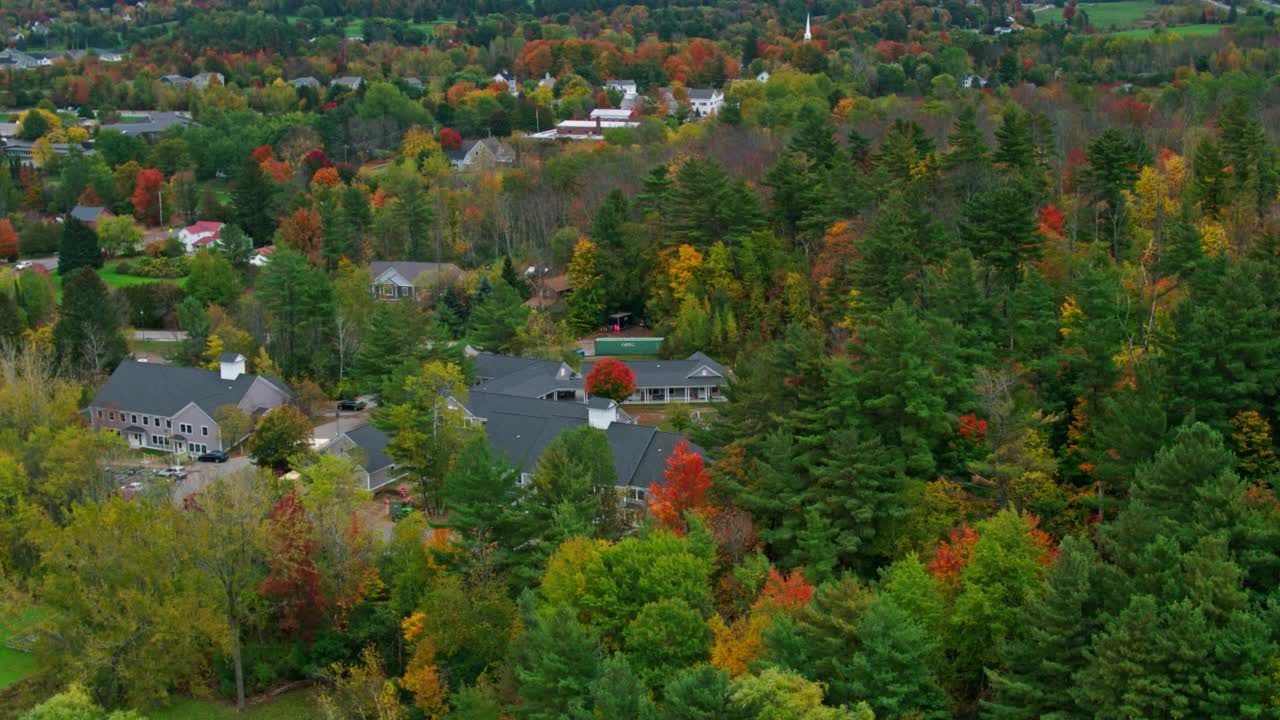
(89, 215)
(403, 279)
(367, 447)
(149, 124)
(485, 153)
(171, 408)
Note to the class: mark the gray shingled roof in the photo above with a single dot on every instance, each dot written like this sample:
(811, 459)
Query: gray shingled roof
(672, 373)
(527, 378)
(520, 429)
(409, 269)
(701, 93)
(85, 213)
(165, 389)
(157, 122)
(230, 357)
(374, 444)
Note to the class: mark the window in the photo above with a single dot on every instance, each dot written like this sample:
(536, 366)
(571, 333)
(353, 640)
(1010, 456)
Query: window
(184, 427)
(146, 420)
(387, 290)
(133, 418)
(99, 414)
(168, 424)
(113, 414)
(204, 430)
(160, 440)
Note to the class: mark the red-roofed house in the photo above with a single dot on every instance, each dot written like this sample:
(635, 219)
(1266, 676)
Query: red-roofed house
(201, 234)
(262, 255)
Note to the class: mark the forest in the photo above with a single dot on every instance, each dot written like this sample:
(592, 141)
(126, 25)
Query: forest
(999, 299)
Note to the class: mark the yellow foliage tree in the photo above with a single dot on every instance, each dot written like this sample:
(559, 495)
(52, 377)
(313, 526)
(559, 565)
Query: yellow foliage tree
(682, 270)
(212, 352)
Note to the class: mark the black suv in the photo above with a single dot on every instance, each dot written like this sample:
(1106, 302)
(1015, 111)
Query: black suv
(351, 405)
(216, 456)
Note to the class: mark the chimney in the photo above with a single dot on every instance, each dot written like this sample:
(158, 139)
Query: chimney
(230, 366)
(599, 130)
(601, 413)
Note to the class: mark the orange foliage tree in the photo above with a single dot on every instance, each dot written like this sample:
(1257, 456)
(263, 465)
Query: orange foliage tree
(301, 230)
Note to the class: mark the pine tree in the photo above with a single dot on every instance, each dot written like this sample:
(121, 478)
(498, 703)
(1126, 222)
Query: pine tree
(79, 248)
(556, 662)
(815, 138)
(498, 318)
(392, 333)
(698, 208)
(999, 228)
(1060, 625)
(1014, 145)
(606, 226)
(656, 191)
(618, 693)
(700, 692)
(251, 198)
(903, 240)
(480, 492)
(1209, 178)
(88, 337)
(890, 670)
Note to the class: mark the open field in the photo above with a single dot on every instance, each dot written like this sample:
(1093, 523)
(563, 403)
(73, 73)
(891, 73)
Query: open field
(296, 705)
(15, 664)
(114, 279)
(1177, 30)
(1104, 15)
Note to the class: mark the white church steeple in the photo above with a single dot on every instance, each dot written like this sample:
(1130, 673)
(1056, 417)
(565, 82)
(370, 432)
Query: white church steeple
(808, 33)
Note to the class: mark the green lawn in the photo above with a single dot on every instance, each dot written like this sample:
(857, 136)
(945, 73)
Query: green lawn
(114, 279)
(294, 705)
(1104, 15)
(15, 664)
(1178, 30)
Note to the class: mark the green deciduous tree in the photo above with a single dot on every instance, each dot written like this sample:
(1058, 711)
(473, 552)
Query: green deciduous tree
(211, 279)
(666, 635)
(281, 436)
(427, 431)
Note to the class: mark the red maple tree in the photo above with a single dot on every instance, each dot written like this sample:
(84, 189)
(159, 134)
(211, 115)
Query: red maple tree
(8, 239)
(147, 187)
(450, 139)
(611, 378)
(685, 489)
(294, 579)
(790, 592)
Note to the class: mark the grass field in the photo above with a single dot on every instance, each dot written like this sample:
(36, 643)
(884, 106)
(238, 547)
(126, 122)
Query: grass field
(15, 665)
(295, 705)
(1104, 15)
(1178, 30)
(114, 279)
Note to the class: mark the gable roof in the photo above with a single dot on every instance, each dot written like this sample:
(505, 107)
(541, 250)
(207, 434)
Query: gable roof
(156, 121)
(374, 444)
(202, 227)
(410, 270)
(165, 389)
(671, 373)
(524, 377)
(521, 429)
(87, 213)
(703, 93)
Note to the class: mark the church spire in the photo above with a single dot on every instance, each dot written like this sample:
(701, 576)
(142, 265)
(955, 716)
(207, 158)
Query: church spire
(808, 33)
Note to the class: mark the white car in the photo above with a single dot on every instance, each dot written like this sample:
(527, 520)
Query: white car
(23, 265)
(176, 472)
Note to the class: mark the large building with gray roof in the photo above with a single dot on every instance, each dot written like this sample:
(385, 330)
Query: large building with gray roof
(696, 378)
(171, 408)
(520, 429)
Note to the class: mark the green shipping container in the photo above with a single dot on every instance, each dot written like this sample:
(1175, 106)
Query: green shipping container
(628, 346)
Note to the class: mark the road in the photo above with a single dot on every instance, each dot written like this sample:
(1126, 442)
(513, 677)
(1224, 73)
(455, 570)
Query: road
(160, 335)
(325, 432)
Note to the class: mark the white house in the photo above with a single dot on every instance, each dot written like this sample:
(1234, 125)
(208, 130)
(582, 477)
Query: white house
(262, 255)
(509, 79)
(705, 101)
(628, 88)
(201, 234)
(611, 114)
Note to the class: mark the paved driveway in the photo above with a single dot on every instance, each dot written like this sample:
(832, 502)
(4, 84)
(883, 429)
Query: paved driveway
(201, 474)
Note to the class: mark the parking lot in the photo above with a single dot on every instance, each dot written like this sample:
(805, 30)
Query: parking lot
(147, 477)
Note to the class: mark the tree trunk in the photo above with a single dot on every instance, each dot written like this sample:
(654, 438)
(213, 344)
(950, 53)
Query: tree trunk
(235, 661)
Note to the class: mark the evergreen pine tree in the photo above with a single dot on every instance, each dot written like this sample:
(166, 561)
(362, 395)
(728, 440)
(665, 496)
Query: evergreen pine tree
(11, 323)
(890, 670)
(999, 228)
(815, 139)
(251, 198)
(393, 332)
(480, 492)
(606, 226)
(79, 248)
(1209, 177)
(1060, 624)
(656, 191)
(556, 662)
(1014, 145)
(618, 693)
(497, 318)
(700, 692)
(88, 336)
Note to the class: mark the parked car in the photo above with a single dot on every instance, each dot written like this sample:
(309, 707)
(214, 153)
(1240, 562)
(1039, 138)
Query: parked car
(213, 456)
(174, 472)
(352, 405)
(23, 265)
